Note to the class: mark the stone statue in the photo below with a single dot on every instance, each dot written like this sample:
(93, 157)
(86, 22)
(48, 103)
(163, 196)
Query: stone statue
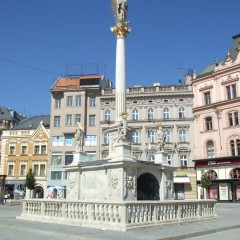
(79, 136)
(122, 129)
(161, 137)
(120, 9)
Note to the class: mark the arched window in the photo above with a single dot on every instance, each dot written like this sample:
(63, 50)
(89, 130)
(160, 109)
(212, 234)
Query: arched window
(212, 175)
(210, 149)
(208, 122)
(235, 173)
(107, 115)
(235, 147)
(150, 113)
(135, 114)
(165, 113)
(181, 112)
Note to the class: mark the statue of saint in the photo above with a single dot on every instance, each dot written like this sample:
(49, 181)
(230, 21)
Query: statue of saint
(120, 9)
(79, 136)
(161, 138)
(122, 128)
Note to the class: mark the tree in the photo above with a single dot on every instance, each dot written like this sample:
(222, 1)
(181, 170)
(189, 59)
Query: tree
(205, 181)
(30, 180)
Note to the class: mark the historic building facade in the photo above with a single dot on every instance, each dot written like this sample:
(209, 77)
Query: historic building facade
(26, 146)
(8, 119)
(73, 100)
(147, 108)
(217, 130)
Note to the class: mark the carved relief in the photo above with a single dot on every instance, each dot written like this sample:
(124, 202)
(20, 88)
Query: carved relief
(169, 190)
(72, 186)
(114, 183)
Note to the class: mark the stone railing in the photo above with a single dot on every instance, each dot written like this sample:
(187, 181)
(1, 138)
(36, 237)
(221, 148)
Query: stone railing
(116, 215)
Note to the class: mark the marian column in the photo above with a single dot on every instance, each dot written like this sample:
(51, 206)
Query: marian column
(121, 30)
(119, 145)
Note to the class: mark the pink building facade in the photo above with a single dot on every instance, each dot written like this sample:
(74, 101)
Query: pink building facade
(217, 130)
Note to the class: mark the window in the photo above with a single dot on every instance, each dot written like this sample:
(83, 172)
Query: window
(207, 98)
(68, 159)
(135, 114)
(235, 147)
(56, 159)
(23, 170)
(35, 169)
(42, 170)
(165, 113)
(92, 102)
(181, 112)
(43, 149)
(151, 157)
(92, 120)
(182, 135)
(208, 122)
(169, 159)
(210, 149)
(78, 101)
(231, 91)
(106, 138)
(151, 136)
(24, 150)
(57, 103)
(168, 135)
(211, 175)
(10, 170)
(56, 121)
(107, 115)
(36, 149)
(57, 141)
(233, 119)
(68, 140)
(183, 160)
(77, 119)
(69, 120)
(135, 137)
(69, 101)
(12, 150)
(150, 113)
(56, 175)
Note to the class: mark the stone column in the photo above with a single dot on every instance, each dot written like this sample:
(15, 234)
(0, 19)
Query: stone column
(120, 30)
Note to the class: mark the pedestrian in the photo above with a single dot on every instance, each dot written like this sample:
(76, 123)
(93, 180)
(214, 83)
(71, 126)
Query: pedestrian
(5, 197)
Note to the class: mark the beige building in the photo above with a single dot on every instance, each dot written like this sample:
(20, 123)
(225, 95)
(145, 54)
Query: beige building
(26, 146)
(147, 107)
(73, 100)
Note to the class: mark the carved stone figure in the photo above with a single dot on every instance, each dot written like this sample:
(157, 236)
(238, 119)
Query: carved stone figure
(79, 136)
(120, 9)
(161, 138)
(122, 129)
(169, 190)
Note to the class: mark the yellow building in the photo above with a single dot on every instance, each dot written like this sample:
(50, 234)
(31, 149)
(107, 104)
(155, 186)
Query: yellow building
(26, 146)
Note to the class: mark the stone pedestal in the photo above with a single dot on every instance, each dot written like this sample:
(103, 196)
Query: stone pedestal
(122, 152)
(161, 158)
(78, 158)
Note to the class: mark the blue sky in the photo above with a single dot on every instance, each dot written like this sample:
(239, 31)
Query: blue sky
(52, 34)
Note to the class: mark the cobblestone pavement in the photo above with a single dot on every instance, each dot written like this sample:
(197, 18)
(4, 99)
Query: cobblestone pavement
(226, 226)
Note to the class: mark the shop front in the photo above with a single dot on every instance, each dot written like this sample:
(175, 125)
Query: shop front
(224, 176)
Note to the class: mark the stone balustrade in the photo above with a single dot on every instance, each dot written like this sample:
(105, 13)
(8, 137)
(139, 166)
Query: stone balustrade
(116, 215)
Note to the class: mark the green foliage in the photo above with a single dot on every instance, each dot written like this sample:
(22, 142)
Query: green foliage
(30, 180)
(205, 181)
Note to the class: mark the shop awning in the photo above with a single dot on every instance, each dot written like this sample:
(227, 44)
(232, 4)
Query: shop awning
(181, 180)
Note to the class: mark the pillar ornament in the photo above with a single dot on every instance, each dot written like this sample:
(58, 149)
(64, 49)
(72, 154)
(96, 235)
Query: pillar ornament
(121, 30)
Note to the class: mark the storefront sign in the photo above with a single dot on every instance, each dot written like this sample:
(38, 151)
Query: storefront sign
(223, 192)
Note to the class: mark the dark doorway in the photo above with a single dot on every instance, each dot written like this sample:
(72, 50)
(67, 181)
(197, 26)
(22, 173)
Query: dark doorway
(147, 187)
